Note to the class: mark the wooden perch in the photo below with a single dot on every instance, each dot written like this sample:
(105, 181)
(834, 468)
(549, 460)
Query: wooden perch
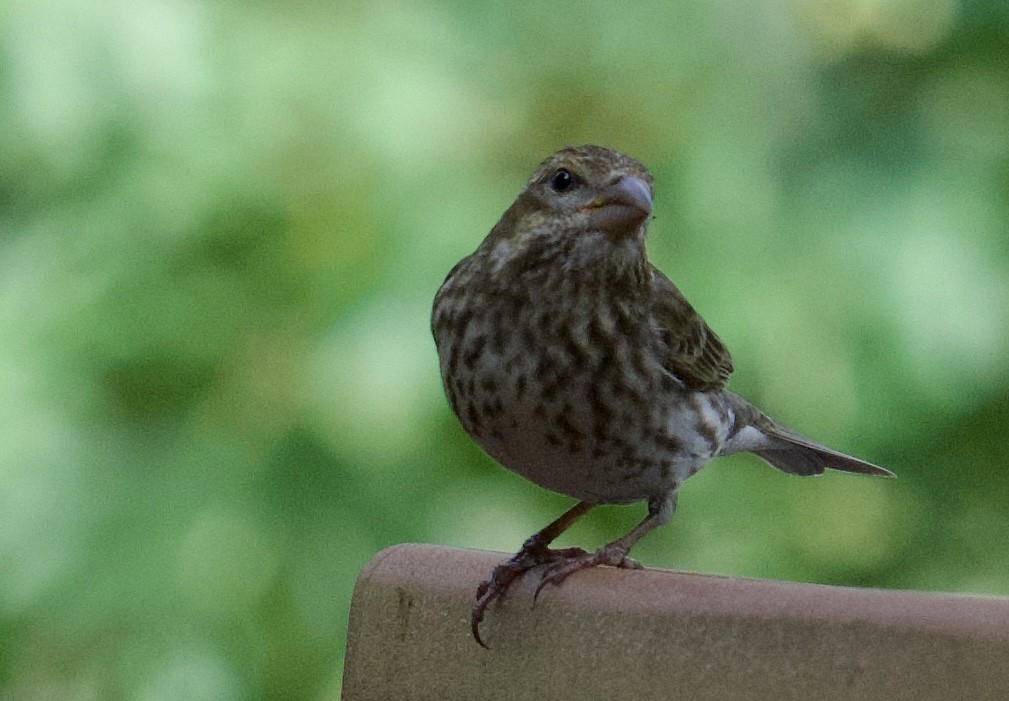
(657, 634)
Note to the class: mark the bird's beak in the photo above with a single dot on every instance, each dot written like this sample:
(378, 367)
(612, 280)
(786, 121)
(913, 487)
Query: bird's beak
(622, 207)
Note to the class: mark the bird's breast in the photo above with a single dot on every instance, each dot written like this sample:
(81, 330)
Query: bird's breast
(573, 397)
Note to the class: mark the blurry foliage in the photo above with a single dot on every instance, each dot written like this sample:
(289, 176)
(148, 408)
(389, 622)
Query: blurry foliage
(222, 225)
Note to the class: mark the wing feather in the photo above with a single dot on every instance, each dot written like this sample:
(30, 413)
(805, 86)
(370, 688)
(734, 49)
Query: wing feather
(693, 353)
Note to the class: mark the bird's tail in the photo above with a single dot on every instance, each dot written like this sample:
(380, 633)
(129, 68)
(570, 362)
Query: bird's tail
(797, 455)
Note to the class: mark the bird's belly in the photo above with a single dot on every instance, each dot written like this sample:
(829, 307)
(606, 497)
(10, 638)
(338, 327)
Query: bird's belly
(637, 456)
(601, 423)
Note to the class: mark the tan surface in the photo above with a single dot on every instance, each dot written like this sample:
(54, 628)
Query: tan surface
(621, 634)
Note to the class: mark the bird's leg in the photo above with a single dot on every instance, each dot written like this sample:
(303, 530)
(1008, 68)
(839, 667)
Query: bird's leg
(533, 552)
(613, 554)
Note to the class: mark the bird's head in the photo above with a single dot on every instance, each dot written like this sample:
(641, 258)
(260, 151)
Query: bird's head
(582, 199)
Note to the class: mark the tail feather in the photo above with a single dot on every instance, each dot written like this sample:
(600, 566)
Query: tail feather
(797, 455)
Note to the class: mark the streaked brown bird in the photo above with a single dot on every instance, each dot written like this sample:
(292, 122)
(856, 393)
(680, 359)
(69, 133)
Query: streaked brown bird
(576, 363)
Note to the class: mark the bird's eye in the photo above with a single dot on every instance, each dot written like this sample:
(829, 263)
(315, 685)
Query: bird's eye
(561, 180)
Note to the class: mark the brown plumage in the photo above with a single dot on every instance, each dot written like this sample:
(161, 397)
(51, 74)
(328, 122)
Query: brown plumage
(695, 354)
(576, 363)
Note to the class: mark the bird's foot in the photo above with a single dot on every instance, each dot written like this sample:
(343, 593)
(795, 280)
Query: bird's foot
(614, 555)
(533, 554)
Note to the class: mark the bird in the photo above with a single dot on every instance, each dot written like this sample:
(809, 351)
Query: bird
(573, 361)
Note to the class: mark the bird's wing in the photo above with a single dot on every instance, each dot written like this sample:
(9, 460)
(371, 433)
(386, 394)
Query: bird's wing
(692, 351)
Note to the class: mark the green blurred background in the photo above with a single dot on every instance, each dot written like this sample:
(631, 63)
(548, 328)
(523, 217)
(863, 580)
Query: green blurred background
(222, 225)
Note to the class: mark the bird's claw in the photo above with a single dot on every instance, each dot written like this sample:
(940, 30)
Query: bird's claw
(504, 575)
(606, 555)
